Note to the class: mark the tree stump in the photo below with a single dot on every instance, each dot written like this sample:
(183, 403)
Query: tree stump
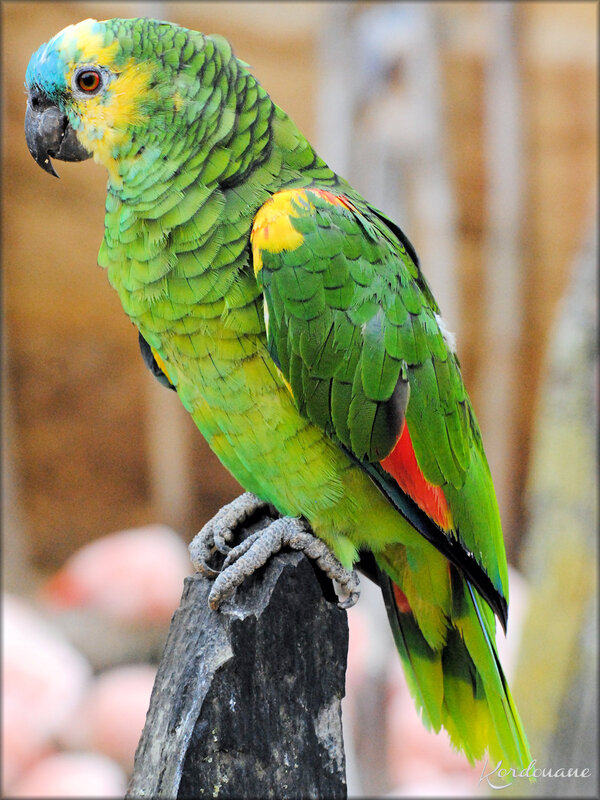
(247, 699)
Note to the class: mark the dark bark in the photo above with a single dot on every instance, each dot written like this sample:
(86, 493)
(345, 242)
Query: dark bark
(246, 702)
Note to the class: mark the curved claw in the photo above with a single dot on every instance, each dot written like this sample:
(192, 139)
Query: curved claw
(200, 552)
(220, 538)
(255, 550)
(348, 594)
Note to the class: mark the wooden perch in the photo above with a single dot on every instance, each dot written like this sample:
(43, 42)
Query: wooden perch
(247, 699)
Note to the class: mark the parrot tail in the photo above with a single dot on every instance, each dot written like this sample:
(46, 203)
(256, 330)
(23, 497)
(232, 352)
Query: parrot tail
(460, 684)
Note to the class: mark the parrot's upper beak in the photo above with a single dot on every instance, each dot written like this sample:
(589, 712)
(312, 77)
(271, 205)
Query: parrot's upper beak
(48, 133)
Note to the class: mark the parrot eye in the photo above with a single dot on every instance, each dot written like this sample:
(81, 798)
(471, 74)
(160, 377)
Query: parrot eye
(89, 80)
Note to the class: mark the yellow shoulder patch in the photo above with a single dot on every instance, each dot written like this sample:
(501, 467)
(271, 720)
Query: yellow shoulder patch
(272, 229)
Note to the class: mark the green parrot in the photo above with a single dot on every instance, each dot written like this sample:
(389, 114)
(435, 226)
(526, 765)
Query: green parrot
(293, 320)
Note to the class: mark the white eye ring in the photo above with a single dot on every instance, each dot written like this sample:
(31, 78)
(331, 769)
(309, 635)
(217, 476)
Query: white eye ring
(88, 81)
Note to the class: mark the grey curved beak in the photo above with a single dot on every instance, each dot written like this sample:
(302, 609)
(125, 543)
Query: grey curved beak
(49, 134)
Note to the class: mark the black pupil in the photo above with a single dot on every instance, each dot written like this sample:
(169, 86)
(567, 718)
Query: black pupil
(89, 80)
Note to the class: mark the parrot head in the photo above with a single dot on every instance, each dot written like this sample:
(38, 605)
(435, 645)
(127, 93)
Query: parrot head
(115, 89)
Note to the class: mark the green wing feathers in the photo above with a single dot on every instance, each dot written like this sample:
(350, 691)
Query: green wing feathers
(322, 310)
(356, 334)
(352, 328)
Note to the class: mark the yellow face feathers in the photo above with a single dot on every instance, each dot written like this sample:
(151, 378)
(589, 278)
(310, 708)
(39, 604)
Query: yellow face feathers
(88, 43)
(104, 118)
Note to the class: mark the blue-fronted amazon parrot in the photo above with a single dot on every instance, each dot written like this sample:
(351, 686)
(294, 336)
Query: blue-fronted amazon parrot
(295, 323)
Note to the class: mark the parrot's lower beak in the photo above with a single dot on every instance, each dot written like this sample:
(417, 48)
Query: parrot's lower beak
(48, 133)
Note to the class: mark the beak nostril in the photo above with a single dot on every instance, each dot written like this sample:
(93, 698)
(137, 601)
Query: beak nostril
(36, 101)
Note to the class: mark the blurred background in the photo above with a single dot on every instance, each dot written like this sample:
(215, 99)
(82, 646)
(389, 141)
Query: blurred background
(474, 126)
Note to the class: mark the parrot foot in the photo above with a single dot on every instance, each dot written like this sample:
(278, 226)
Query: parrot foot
(253, 552)
(215, 535)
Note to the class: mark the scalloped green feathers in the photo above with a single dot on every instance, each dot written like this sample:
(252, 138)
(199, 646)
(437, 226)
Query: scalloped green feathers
(322, 310)
(351, 325)
(356, 337)
(298, 330)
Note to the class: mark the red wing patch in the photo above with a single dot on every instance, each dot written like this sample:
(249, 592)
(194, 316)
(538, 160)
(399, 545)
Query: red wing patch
(402, 466)
(402, 603)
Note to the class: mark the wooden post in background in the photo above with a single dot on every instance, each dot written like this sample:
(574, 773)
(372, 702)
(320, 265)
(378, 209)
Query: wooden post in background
(503, 290)
(556, 682)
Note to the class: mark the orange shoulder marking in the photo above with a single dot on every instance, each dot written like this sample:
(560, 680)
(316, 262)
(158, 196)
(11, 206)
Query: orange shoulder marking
(402, 603)
(334, 199)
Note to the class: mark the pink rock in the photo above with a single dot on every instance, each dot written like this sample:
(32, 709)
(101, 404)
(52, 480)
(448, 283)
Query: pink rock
(43, 679)
(440, 785)
(112, 714)
(134, 575)
(72, 775)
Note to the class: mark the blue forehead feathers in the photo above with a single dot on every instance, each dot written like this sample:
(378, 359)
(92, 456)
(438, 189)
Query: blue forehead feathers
(48, 66)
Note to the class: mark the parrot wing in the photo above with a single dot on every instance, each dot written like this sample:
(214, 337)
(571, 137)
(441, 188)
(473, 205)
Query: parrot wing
(356, 333)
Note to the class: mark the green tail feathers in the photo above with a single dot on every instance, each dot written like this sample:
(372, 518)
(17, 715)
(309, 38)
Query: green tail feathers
(460, 685)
